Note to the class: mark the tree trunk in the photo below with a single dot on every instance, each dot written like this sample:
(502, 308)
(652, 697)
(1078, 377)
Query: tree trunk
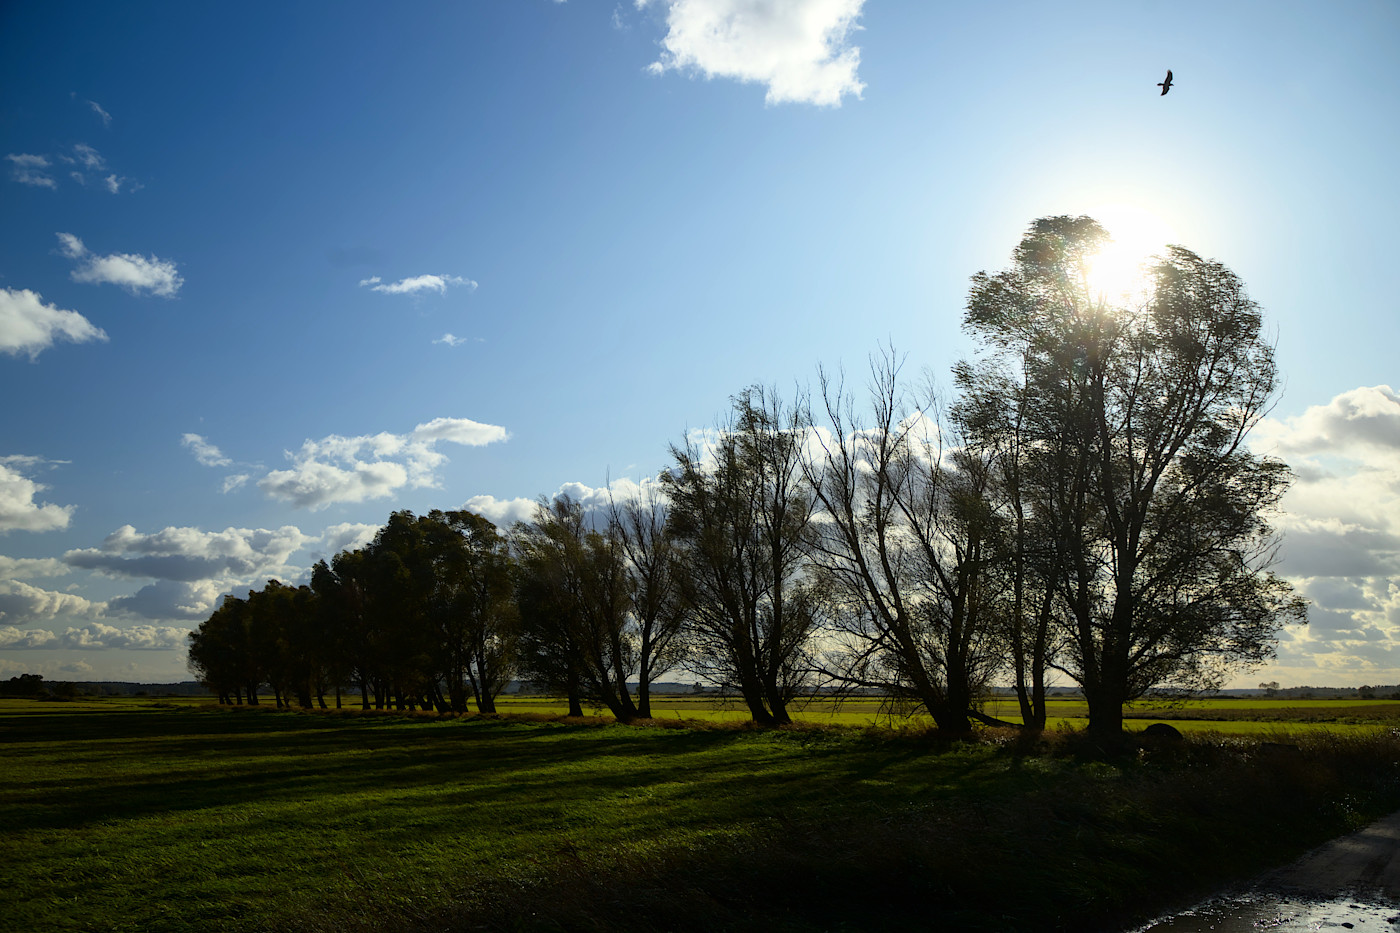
(1105, 712)
(575, 696)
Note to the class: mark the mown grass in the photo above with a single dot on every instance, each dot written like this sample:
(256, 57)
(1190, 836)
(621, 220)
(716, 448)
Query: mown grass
(180, 816)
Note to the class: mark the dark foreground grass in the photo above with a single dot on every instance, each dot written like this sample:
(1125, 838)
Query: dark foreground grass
(182, 818)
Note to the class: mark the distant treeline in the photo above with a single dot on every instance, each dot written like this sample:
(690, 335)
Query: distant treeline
(1086, 507)
(29, 685)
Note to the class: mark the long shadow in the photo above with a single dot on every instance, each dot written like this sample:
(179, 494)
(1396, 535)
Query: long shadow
(276, 758)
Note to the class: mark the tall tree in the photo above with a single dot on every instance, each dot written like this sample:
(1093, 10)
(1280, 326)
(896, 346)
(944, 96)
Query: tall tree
(477, 619)
(651, 573)
(402, 575)
(1023, 553)
(740, 510)
(903, 548)
(573, 601)
(1135, 416)
(221, 653)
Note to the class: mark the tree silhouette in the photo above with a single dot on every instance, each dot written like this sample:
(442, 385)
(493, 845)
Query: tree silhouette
(1135, 419)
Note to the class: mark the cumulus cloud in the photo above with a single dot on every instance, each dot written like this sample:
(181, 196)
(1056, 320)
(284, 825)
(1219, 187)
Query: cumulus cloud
(170, 599)
(1342, 515)
(1341, 534)
(29, 326)
(206, 453)
(18, 510)
(315, 485)
(355, 469)
(189, 555)
(23, 602)
(133, 272)
(348, 536)
(12, 568)
(28, 169)
(505, 512)
(452, 341)
(1358, 424)
(501, 512)
(416, 284)
(800, 51)
(96, 637)
(235, 481)
(12, 638)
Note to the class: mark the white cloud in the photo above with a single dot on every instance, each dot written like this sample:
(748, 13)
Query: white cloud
(416, 284)
(348, 536)
(316, 485)
(1341, 535)
(1357, 424)
(189, 555)
(97, 636)
(29, 326)
(12, 568)
(170, 599)
(799, 50)
(29, 170)
(236, 481)
(459, 431)
(355, 469)
(103, 115)
(22, 602)
(501, 512)
(87, 157)
(12, 638)
(133, 272)
(452, 341)
(505, 512)
(18, 510)
(206, 453)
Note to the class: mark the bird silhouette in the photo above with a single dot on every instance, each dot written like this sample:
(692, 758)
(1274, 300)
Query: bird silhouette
(1167, 84)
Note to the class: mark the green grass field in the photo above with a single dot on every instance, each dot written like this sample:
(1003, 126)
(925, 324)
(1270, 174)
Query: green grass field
(151, 815)
(1242, 716)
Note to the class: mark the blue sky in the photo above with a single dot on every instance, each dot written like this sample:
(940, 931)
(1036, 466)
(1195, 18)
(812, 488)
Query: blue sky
(268, 274)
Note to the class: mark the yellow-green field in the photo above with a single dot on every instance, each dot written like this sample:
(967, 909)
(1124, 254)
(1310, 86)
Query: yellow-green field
(1225, 715)
(1231, 716)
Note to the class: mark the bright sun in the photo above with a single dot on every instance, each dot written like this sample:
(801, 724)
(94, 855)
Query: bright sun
(1116, 272)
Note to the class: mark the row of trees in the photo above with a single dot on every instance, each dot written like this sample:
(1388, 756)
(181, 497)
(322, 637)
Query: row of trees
(1086, 507)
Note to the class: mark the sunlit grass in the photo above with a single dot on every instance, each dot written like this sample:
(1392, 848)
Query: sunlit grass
(157, 815)
(1244, 716)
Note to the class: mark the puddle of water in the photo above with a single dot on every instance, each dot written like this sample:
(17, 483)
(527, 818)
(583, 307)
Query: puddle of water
(1248, 913)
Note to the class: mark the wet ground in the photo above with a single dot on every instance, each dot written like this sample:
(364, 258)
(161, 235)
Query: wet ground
(1351, 883)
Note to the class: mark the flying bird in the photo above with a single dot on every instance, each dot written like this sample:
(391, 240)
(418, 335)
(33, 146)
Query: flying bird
(1167, 84)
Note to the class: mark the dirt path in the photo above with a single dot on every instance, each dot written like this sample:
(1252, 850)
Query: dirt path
(1351, 883)
(1367, 861)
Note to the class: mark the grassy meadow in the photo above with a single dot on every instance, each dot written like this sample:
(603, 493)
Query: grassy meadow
(177, 815)
(1246, 716)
